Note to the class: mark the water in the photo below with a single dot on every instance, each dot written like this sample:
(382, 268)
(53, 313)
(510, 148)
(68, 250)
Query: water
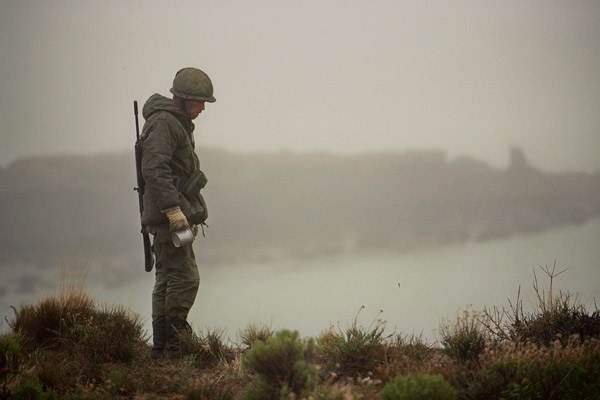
(414, 291)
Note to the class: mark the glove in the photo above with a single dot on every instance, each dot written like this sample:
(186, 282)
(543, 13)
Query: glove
(195, 230)
(177, 221)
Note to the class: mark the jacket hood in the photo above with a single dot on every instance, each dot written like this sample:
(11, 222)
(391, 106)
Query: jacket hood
(157, 103)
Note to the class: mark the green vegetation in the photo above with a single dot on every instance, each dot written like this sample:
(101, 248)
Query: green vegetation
(66, 347)
(417, 387)
(32, 389)
(281, 367)
(356, 350)
(466, 339)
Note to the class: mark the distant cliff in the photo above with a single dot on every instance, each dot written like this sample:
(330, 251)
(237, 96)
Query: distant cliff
(290, 205)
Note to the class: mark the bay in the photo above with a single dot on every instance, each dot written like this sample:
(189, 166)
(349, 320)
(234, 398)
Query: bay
(414, 291)
(411, 291)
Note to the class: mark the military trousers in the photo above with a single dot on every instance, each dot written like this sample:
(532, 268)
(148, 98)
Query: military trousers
(177, 281)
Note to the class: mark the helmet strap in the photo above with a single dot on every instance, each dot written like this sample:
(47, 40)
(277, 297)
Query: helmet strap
(182, 103)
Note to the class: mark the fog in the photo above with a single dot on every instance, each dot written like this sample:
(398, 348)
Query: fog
(300, 241)
(428, 95)
(468, 77)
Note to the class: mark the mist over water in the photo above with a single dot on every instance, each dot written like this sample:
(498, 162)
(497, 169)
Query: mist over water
(303, 241)
(414, 290)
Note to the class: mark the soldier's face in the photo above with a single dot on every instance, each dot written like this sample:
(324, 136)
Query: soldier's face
(193, 108)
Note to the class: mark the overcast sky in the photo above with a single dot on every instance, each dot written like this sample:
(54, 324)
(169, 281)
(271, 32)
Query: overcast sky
(469, 77)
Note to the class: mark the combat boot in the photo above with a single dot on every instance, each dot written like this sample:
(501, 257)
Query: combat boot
(159, 338)
(175, 328)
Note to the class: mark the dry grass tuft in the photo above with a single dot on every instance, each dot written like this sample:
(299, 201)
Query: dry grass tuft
(207, 348)
(70, 339)
(254, 332)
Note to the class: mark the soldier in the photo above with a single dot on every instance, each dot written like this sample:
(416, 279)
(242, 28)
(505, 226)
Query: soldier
(168, 164)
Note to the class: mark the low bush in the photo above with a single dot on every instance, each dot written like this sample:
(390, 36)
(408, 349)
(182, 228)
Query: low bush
(560, 319)
(111, 334)
(72, 321)
(409, 354)
(355, 351)
(112, 382)
(53, 317)
(548, 372)
(418, 387)
(10, 361)
(73, 338)
(10, 352)
(466, 338)
(556, 316)
(32, 389)
(281, 367)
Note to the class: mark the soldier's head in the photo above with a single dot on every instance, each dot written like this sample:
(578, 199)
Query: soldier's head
(191, 89)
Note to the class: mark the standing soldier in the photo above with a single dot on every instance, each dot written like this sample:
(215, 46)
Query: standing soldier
(172, 202)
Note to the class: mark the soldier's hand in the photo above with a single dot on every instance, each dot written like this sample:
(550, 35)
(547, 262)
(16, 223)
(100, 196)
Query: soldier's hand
(177, 221)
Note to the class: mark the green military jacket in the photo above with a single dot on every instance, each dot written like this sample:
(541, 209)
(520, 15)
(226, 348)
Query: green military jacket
(168, 160)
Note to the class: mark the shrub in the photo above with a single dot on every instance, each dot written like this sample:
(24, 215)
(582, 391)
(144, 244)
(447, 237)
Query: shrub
(556, 316)
(418, 387)
(280, 365)
(112, 334)
(356, 351)
(406, 354)
(32, 389)
(466, 339)
(113, 381)
(71, 338)
(560, 323)
(518, 370)
(10, 351)
(71, 321)
(51, 318)
(10, 359)
(415, 348)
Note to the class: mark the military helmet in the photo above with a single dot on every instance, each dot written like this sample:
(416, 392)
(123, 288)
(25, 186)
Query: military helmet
(193, 84)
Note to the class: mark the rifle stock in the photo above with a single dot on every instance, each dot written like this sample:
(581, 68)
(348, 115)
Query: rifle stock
(141, 187)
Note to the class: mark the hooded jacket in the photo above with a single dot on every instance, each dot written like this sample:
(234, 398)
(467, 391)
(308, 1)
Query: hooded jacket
(168, 160)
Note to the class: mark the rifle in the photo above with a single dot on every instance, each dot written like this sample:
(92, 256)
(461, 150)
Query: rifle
(141, 188)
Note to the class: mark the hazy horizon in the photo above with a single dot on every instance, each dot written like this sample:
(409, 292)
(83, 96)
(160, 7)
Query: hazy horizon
(336, 232)
(467, 77)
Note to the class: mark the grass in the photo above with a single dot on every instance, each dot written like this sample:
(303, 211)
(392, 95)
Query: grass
(355, 350)
(68, 347)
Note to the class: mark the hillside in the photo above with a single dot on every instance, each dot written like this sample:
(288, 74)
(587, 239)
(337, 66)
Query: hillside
(66, 347)
(290, 205)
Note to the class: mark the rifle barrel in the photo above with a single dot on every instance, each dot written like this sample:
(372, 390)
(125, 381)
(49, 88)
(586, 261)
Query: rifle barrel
(141, 187)
(137, 124)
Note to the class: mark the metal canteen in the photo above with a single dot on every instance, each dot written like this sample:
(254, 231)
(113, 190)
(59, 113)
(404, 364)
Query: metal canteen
(182, 237)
